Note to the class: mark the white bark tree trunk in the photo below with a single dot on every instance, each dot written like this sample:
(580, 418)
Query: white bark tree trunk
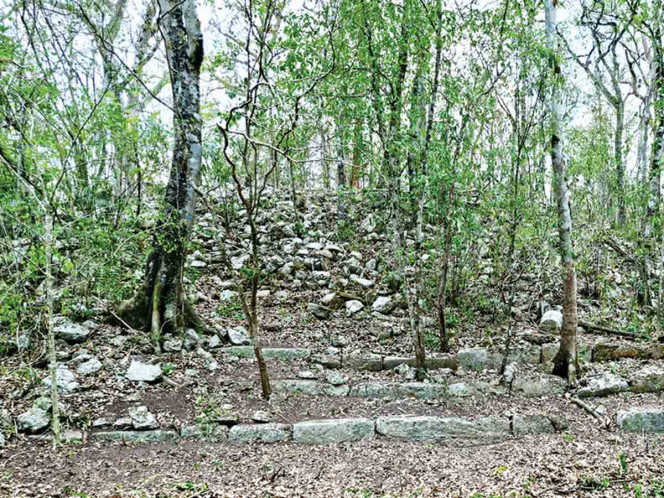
(566, 361)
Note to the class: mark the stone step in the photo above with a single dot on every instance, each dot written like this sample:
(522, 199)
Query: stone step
(331, 431)
(613, 352)
(474, 359)
(545, 386)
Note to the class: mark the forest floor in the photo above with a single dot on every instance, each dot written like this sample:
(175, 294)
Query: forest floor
(201, 381)
(584, 462)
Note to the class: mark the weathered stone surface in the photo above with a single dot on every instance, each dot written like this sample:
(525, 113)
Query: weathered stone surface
(532, 424)
(474, 388)
(71, 332)
(475, 359)
(328, 360)
(363, 361)
(609, 352)
(394, 390)
(191, 432)
(362, 282)
(522, 355)
(142, 419)
(135, 436)
(286, 353)
(432, 362)
(641, 420)
(320, 312)
(333, 431)
(64, 379)
(263, 433)
(143, 372)
(32, 421)
(552, 321)
(353, 306)
(549, 352)
(2, 440)
(649, 379)
(309, 387)
(603, 385)
(442, 428)
(335, 378)
(89, 367)
(238, 336)
(269, 353)
(382, 304)
(543, 386)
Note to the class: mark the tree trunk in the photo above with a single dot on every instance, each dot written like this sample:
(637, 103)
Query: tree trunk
(618, 155)
(48, 247)
(657, 154)
(163, 306)
(566, 362)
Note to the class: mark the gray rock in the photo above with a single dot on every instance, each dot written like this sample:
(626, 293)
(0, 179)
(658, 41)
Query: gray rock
(261, 417)
(395, 390)
(641, 420)
(320, 312)
(191, 432)
(306, 374)
(333, 431)
(239, 261)
(214, 342)
(475, 359)
(552, 321)
(143, 372)
(65, 380)
(309, 387)
(142, 419)
(543, 386)
(603, 385)
(135, 436)
(353, 306)
(442, 428)
(261, 433)
(532, 424)
(549, 352)
(649, 379)
(363, 361)
(335, 378)
(2, 440)
(173, 345)
(227, 295)
(239, 336)
(71, 332)
(365, 283)
(281, 295)
(382, 304)
(91, 366)
(32, 421)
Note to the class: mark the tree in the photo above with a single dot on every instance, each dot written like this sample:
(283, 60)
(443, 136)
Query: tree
(162, 304)
(566, 363)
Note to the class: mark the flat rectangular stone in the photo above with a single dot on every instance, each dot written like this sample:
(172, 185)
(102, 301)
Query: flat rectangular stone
(261, 433)
(286, 353)
(333, 430)
(135, 436)
(395, 390)
(429, 428)
(309, 387)
(431, 362)
(641, 420)
(609, 352)
(532, 424)
(269, 353)
(366, 361)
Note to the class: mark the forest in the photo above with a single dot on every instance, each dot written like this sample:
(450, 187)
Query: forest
(355, 248)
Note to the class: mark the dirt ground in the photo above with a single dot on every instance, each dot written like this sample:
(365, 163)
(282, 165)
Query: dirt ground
(583, 462)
